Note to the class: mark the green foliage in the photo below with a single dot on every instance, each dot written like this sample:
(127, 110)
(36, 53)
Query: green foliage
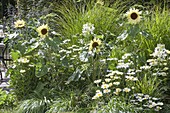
(76, 101)
(167, 108)
(157, 25)
(148, 85)
(7, 110)
(60, 105)
(71, 17)
(30, 65)
(7, 100)
(33, 106)
(32, 8)
(117, 105)
(89, 42)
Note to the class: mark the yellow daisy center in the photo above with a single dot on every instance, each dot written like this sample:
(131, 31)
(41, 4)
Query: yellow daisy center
(44, 31)
(95, 44)
(134, 16)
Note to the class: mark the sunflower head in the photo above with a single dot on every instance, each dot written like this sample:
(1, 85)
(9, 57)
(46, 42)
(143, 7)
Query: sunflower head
(43, 30)
(133, 16)
(19, 23)
(94, 44)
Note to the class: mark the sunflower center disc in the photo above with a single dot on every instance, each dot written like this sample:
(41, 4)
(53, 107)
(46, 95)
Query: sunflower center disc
(133, 16)
(20, 24)
(44, 31)
(95, 44)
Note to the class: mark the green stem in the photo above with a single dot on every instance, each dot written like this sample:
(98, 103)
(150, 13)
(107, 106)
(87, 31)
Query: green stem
(93, 77)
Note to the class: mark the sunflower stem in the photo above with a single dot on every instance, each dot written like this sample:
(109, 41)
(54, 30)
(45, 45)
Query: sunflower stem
(93, 77)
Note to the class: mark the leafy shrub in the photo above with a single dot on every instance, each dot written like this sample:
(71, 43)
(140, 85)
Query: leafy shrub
(64, 53)
(33, 106)
(7, 100)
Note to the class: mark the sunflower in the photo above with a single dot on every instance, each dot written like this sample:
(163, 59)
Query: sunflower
(43, 30)
(133, 15)
(95, 43)
(19, 23)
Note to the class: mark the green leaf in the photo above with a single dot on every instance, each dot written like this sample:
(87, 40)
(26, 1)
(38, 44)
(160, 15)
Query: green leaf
(65, 61)
(100, 36)
(84, 56)
(75, 76)
(15, 55)
(29, 50)
(42, 71)
(134, 30)
(40, 87)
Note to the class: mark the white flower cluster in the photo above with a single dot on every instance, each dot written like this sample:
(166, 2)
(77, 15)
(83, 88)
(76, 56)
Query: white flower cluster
(98, 94)
(23, 60)
(69, 51)
(158, 64)
(125, 62)
(147, 101)
(88, 28)
(116, 72)
(113, 81)
(160, 51)
(112, 84)
(131, 78)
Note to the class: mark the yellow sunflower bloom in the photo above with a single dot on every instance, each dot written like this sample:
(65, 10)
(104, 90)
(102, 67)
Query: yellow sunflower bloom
(19, 23)
(133, 16)
(43, 30)
(95, 43)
